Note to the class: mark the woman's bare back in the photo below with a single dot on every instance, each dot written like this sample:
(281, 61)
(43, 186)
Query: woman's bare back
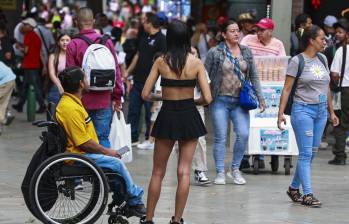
(190, 72)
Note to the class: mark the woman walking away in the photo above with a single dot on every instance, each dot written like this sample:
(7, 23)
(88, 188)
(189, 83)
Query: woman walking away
(224, 63)
(178, 119)
(312, 99)
(56, 64)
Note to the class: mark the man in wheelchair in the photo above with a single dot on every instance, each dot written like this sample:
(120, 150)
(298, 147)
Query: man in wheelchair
(82, 137)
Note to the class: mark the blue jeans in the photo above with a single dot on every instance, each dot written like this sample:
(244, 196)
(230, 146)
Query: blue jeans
(101, 120)
(53, 95)
(134, 111)
(308, 122)
(134, 192)
(224, 109)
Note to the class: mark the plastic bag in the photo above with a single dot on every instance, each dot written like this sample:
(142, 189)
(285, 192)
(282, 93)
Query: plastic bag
(120, 135)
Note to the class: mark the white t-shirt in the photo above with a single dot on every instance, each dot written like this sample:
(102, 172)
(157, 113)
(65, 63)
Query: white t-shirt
(337, 65)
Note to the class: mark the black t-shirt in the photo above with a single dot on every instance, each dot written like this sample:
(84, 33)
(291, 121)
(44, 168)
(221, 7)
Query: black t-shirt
(148, 46)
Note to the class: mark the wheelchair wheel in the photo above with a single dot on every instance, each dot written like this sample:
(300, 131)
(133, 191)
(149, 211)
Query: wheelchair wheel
(68, 188)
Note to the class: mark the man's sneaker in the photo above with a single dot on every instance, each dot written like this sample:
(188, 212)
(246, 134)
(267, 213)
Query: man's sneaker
(323, 145)
(134, 143)
(143, 221)
(337, 161)
(146, 145)
(79, 187)
(137, 210)
(245, 164)
(9, 119)
(235, 174)
(220, 179)
(201, 178)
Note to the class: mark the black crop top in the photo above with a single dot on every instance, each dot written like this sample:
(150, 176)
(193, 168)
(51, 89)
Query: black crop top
(178, 83)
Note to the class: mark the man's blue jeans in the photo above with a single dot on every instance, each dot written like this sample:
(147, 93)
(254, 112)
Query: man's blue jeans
(308, 122)
(224, 109)
(134, 111)
(134, 192)
(101, 120)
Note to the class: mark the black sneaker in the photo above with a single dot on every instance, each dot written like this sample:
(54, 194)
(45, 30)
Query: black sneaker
(137, 210)
(9, 120)
(18, 107)
(201, 178)
(245, 164)
(143, 221)
(337, 161)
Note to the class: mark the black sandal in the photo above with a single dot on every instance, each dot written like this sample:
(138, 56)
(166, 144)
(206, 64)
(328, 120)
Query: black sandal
(144, 221)
(295, 195)
(310, 201)
(174, 222)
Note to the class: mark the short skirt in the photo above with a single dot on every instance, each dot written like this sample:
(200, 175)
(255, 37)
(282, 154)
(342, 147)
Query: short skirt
(178, 120)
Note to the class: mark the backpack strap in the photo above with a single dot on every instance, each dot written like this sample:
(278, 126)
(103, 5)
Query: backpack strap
(103, 40)
(344, 59)
(300, 65)
(84, 38)
(322, 60)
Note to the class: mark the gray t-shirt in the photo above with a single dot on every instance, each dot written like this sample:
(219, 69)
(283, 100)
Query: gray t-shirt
(314, 81)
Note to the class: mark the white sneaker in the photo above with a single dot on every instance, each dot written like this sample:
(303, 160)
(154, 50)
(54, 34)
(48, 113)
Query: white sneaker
(323, 145)
(220, 179)
(146, 145)
(236, 176)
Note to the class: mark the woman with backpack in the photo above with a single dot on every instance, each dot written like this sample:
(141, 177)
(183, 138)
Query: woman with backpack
(56, 64)
(312, 101)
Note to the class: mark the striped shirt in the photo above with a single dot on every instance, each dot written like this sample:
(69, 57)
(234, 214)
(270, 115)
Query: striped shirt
(274, 48)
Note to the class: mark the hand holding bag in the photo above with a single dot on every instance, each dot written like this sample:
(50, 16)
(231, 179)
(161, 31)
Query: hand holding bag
(120, 135)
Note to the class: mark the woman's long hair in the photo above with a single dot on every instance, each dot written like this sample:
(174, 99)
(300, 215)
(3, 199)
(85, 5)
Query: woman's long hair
(56, 50)
(178, 46)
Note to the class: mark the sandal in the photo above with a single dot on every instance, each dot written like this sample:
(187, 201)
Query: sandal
(310, 201)
(174, 222)
(295, 195)
(144, 221)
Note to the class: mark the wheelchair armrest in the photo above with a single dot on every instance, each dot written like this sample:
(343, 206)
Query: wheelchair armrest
(36, 123)
(47, 124)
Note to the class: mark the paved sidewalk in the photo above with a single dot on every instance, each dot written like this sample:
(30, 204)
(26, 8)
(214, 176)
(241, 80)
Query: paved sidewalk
(262, 200)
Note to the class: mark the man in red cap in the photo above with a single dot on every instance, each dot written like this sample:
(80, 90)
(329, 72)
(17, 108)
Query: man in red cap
(263, 43)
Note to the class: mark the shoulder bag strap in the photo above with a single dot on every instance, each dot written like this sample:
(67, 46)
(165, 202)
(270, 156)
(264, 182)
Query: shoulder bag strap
(103, 40)
(43, 40)
(299, 72)
(344, 58)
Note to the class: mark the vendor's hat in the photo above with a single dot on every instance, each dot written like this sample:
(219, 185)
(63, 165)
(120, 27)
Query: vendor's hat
(30, 21)
(330, 20)
(266, 24)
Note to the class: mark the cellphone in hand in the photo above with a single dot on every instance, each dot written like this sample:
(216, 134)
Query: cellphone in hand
(123, 150)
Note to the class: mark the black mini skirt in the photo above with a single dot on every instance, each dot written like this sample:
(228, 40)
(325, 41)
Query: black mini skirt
(178, 120)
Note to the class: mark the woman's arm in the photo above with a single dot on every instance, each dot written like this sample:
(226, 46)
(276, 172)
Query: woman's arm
(283, 100)
(52, 73)
(206, 97)
(151, 80)
(333, 118)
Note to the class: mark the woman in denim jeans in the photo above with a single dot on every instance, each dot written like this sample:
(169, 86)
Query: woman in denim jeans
(312, 103)
(226, 86)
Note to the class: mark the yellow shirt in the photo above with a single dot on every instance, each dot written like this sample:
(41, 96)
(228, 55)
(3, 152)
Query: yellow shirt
(77, 124)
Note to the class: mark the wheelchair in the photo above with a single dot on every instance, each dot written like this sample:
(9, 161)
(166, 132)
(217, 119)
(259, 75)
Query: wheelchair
(70, 188)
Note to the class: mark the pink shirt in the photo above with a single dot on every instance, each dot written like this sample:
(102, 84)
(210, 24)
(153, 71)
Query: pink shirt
(274, 48)
(93, 100)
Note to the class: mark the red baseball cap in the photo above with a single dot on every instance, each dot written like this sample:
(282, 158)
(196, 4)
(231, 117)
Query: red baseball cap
(267, 24)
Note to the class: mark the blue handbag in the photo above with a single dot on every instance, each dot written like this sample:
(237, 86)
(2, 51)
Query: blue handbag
(248, 96)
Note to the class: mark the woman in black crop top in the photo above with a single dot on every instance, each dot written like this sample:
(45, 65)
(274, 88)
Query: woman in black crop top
(178, 119)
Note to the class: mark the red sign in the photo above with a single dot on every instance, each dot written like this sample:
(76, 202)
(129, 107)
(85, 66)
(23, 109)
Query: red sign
(316, 3)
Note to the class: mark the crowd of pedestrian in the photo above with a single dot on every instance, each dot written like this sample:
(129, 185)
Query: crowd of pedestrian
(190, 66)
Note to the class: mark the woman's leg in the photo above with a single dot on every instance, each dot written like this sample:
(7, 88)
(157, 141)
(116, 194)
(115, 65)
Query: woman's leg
(162, 151)
(219, 116)
(303, 126)
(186, 153)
